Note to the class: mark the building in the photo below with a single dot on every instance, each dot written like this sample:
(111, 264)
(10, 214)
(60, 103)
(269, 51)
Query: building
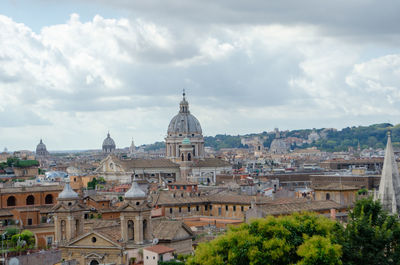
(152, 255)
(184, 126)
(337, 192)
(114, 241)
(108, 145)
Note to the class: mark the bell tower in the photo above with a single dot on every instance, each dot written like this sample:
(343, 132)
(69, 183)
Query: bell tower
(68, 215)
(135, 216)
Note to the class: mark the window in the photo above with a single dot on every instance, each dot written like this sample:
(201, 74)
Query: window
(94, 239)
(29, 221)
(11, 201)
(170, 210)
(30, 200)
(94, 262)
(234, 208)
(219, 210)
(131, 234)
(49, 241)
(210, 207)
(328, 196)
(189, 209)
(180, 209)
(48, 199)
(205, 207)
(242, 208)
(226, 207)
(197, 208)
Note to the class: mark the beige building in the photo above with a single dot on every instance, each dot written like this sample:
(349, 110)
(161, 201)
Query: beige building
(114, 241)
(152, 255)
(339, 193)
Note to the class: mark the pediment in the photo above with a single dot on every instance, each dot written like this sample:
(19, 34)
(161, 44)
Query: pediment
(86, 240)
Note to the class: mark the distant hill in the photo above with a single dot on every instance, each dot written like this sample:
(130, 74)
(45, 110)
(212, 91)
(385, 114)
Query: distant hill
(374, 136)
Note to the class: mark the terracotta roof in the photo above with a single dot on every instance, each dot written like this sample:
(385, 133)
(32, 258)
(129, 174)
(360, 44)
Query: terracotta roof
(182, 182)
(180, 198)
(288, 208)
(168, 229)
(111, 232)
(211, 162)
(159, 249)
(31, 189)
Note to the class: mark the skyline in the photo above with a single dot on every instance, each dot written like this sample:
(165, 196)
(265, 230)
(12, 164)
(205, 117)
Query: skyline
(86, 67)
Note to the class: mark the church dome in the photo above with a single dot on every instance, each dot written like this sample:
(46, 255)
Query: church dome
(108, 144)
(135, 192)
(184, 122)
(68, 193)
(41, 148)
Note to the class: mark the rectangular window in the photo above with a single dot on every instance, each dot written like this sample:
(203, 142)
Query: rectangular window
(29, 221)
(180, 209)
(197, 208)
(49, 241)
(242, 208)
(226, 207)
(170, 210)
(234, 208)
(210, 207)
(188, 208)
(205, 207)
(219, 211)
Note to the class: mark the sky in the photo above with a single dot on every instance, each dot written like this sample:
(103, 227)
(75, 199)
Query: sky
(70, 71)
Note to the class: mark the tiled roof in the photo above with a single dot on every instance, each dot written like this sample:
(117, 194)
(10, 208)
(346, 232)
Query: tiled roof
(288, 208)
(211, 162)
(335, 187)
(146, 163)
(31, 189)
(159, 249)
(168, 229)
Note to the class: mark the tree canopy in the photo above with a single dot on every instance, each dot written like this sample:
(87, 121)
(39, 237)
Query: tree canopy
(297, 239)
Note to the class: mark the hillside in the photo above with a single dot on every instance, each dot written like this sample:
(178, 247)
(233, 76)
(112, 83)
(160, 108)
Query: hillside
(367, 136)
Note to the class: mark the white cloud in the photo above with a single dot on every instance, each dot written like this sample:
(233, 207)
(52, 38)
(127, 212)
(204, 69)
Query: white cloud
(72, 82)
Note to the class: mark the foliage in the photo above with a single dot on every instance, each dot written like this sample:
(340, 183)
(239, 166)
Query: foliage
(300, 238)
(11, 231)
(27, 239)
(102, 180)
(223, 141)
(155, 146)
(171, 262)
(92, 184)
(26, 163)
(372, 236)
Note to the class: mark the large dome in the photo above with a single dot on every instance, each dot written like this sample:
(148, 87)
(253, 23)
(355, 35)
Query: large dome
(108, 144)
(41, 146)
(184, 122)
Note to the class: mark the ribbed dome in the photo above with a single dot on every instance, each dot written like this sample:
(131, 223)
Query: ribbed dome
(68, 192)
(184, 122)
(135, 192)
(41, 146)
(108, 144)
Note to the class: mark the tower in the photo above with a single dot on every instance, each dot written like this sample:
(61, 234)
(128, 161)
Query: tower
(184, 125)
(186, 158)
(68, 215)
(135, 215)
(389, 189)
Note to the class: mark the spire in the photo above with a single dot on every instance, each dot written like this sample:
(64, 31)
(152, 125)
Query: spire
(108, 134)
(184, 105)
(389, 189)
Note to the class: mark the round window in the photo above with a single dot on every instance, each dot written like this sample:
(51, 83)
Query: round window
(94, 239)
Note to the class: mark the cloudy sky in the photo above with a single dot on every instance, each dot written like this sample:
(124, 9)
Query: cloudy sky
(72, 70)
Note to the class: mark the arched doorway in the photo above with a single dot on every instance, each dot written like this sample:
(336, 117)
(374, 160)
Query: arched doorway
(30, 200)
(94, 262)
(11, 201)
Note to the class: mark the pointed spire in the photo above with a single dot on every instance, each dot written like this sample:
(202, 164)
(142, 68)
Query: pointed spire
(389, 189)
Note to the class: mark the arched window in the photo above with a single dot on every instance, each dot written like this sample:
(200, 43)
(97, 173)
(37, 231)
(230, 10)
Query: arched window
(63, 230)
(328, 196)
(131, 230)
(48, 199)
(30, 200)
(77, 227)
(144, 229)
(189, 157)
(11, 201)
(183, 157)
(94, 262)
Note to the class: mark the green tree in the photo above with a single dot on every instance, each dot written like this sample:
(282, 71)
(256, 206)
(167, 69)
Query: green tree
(372, 236)
(297, 239)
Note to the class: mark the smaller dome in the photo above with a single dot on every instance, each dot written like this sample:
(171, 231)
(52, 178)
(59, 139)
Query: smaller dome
(68, 192)
(108, 144)
(186, 141)
(135, 192)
